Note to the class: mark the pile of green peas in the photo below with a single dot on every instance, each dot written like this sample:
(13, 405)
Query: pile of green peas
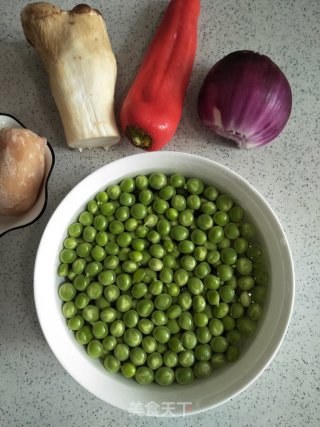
(163, 278)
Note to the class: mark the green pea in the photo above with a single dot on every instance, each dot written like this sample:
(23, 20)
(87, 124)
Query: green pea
(164, 376)
(69, 309)
(84, 335)
(159, 317)
(221, 218)
(169, 261)
(109, 343)
(184, 375)
(81, 300)
(75, 324)
(208, 208)
(221, 310)
(215, 234)
(141, 182)
(211, 282)
(216, 327)
(198, 303)
(107, 208)
(203, 352)
(131, 224)
(129, 266)
(111, 248)
(117, 328)
(145, 307)
(116, 227)
(173, 326)
(202, 369)
(245, 299)
(163, 301)
(247, 230)
(124, 303)
(185, 300)
(224, 202)
(67, 256)
(108, 315)
(70, 243)
(138, 356)
(94, 290)
(200, 253)
(170, 359)
(185, 321)
(179, 203)
(228, 323)
(231, 231)
(175, 344)
(194, 201)
(157, 180)
(234, 337)
(163, 227)
(167, 192)
(101, 197)
(63, 270)
(114, 192)
(100, 329)
(172, 214)
(154, 360)
(91, 313)
(213, 297)
(232, 354)
(227, 294)
(219, 344)
(195, 285)
(179, 233)
(254, 252)
(67, 291)
(236, 310)
(128, 370)
(149, 344)
(261, 277)
(225, 272)
(156, 287)
(218, 360)
(199, 237)
(211, 193)
(111, 364)
(244, 266)
(153, 237)
(245, 283)
(204, 222)
(160, 206)
(106, 277)
(236, 213)
(181, 277)
(75, 229)
(254, 311)
(144, 375)
(186, 358)
(177, 180)
(241, 245)
(200, 318)
(246, 326)
(202, 270)
(95, 349)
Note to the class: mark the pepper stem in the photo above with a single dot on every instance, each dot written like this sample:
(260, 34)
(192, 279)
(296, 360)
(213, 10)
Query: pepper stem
(139, 137)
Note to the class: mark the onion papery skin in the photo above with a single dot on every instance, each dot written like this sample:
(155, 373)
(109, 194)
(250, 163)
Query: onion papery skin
(245, 97)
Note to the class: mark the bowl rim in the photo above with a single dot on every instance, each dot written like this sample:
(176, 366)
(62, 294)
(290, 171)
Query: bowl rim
(46, 193)
(290, 272)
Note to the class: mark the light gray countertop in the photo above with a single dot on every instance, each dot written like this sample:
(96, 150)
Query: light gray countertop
(34, 388)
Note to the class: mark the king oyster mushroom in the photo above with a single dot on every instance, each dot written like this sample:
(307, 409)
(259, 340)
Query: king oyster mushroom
(76, 52)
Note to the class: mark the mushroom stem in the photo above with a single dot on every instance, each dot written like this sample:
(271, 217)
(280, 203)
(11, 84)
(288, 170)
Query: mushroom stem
(76, 52)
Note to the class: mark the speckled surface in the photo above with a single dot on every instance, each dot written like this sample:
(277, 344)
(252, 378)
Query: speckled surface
(34, 388)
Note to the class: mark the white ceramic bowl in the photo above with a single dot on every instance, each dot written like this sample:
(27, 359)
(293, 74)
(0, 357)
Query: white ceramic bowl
(12, 222)
(176, 399)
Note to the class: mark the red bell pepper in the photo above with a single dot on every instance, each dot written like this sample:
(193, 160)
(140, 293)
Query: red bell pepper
(152, 109)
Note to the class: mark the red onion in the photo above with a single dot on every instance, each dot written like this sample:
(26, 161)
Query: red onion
(245, 97)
